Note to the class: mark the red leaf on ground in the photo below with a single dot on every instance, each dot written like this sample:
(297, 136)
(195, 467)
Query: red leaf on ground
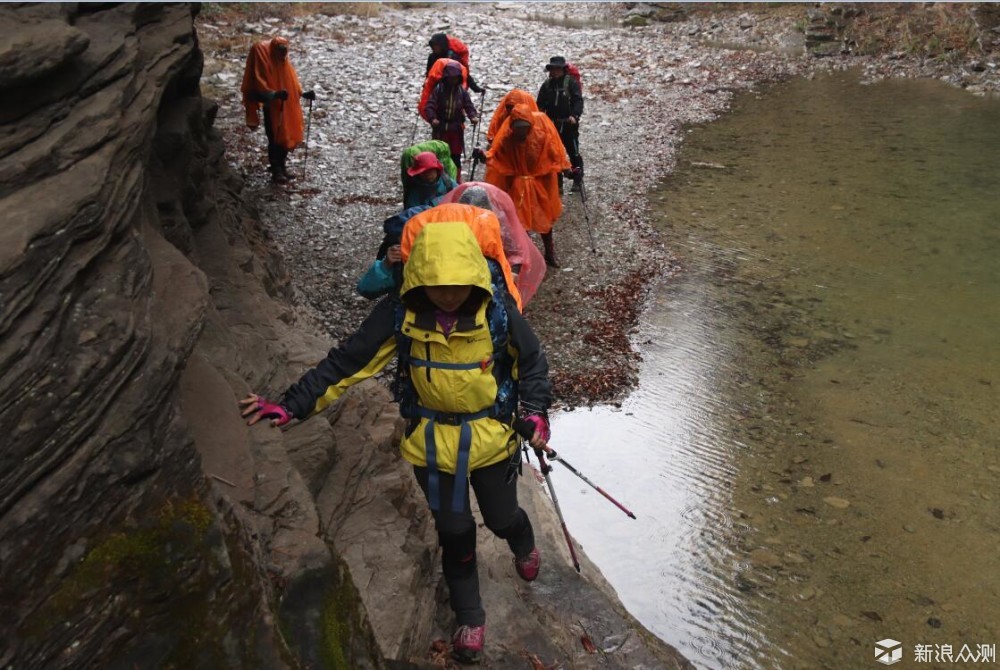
(588, 645)
(439, 654)
(537, 663)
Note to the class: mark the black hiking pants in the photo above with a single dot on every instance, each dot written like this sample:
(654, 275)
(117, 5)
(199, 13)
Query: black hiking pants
(569, 133)
(276, 154)
(496, 493)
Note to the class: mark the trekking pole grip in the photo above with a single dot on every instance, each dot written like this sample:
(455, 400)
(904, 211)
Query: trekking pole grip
(526, 429)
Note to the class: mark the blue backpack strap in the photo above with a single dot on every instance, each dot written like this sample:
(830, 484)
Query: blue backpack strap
(502, 409)
(499, 325)
(402, 387)
(463, 421)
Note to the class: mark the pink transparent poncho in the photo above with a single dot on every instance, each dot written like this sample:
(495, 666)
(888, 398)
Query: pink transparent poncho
(518, 247)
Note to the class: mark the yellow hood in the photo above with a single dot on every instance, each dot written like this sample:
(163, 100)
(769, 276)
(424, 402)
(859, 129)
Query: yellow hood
(446, 254)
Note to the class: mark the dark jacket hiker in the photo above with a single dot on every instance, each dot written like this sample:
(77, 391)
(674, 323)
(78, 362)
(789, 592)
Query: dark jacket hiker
(446, 110)
(561, 98)
(448, 46)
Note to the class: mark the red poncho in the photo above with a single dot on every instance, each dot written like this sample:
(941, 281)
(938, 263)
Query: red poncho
(484, 225)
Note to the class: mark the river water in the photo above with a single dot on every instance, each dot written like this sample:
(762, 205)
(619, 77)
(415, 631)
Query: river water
(812, 451)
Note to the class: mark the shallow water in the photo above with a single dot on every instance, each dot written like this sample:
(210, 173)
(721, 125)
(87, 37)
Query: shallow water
(812, 451)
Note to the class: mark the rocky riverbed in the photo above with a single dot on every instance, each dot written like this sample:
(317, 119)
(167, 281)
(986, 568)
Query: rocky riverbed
(643, 85)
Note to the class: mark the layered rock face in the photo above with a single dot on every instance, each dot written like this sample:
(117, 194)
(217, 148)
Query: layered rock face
(137, 302)
(142, 523)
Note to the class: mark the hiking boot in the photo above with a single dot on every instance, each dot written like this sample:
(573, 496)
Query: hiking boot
(287, 175)
(527, 567)
(278, 178)
(550, 250)
(575, 187)
(467, 644)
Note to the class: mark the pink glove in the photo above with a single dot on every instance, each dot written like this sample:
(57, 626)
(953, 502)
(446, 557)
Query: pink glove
(270, 410)
(541, 425)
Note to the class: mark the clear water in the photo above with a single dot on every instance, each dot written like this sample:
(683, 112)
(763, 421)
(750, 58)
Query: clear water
(832, 338)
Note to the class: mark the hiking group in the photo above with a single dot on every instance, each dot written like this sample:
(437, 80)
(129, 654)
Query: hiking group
(455, 268)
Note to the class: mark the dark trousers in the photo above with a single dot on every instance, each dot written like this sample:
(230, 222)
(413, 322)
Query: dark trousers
(276, 154)
(455, 139)
(569, 133)
(496, 492)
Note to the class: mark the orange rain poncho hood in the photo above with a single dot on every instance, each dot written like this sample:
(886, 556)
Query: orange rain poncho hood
(500, 114)
(484, 225)
(265, 71)
(529, 170)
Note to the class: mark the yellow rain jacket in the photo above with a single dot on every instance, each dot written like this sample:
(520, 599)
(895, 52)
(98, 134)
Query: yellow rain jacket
(453, 427)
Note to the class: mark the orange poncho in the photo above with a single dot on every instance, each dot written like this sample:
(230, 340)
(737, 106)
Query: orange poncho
(529, 171)
(500, 114)
(484, 225)
(266, 72)
(434, 76)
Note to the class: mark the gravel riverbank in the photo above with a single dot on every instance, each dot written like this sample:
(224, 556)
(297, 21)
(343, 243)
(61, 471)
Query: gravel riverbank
(642, 85)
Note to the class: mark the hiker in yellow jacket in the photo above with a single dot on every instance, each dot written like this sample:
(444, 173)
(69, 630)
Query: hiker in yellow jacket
(466, 359)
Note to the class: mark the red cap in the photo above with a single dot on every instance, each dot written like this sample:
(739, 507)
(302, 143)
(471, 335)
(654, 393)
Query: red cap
(423, 162)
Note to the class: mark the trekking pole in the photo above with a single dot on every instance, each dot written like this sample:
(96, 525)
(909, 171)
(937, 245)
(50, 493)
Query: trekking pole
(472, 168)
(554, 456)
(475, 135)
(527, 430)
(586, 214)
(309, 121)
(413, 135)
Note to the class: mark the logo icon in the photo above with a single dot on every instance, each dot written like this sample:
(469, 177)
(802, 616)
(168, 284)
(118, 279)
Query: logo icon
(888, 651)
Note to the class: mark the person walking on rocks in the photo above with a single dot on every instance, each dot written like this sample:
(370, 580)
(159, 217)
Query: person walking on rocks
(561, 98)
(526, 160)
(270, 82)
(458, 391)
(448, 46)
(446, 110)
(500, 114)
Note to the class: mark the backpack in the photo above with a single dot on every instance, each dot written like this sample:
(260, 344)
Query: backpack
(434, 76)
(503, 363)
(573, 71)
